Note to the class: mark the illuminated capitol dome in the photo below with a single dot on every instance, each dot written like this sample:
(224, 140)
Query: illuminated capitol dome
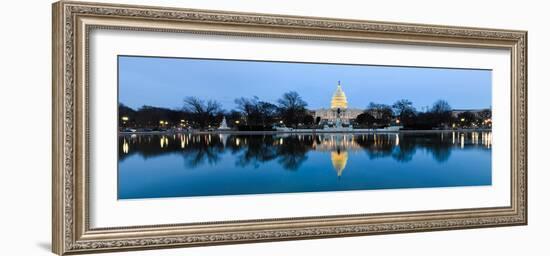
(339, 100)
(338, 113)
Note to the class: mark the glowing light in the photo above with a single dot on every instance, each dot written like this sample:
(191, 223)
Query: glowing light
(486, 139)
(237, 122)
(125, 147)
(397, 139)
(462, 140)
(397, 121)
(125, 118)
(475, 137)
(453, 136)
(462, 119)
(163, 142)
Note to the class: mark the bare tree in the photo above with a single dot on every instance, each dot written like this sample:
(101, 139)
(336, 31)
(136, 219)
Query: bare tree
(249, 108)
(404, 110)
(256, 112)
(381, 112)
(365, 120)
(441, 112)
(485, 114)
(441, 106)
(403, 107)
(267, 111)
(203, 111)
(292, 108)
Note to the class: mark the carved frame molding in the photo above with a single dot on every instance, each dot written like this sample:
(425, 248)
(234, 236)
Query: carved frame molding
(72, 22)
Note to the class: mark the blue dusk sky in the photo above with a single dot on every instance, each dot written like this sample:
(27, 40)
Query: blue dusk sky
(165, 82)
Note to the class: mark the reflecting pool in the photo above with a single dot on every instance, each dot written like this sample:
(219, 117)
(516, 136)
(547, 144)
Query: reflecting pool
(181, 165)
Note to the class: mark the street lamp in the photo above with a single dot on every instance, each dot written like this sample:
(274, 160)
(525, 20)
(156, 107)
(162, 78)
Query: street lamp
(462, 119)
(124, 120)
(237, 122)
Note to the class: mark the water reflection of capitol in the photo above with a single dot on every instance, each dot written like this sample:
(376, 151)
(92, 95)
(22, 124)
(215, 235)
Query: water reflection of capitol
(338, 145)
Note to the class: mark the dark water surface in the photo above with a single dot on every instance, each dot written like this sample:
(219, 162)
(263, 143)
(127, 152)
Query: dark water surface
(180, 165)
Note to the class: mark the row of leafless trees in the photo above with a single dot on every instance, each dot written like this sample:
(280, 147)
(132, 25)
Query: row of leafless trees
(439, 115)
(291, 110)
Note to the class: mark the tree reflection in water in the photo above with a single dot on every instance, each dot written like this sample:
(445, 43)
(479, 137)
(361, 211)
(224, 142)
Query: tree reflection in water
(203, 152)
(291, 150)
(256, 151)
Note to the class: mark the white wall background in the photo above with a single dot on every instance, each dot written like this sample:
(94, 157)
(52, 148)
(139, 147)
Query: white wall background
(25, 144)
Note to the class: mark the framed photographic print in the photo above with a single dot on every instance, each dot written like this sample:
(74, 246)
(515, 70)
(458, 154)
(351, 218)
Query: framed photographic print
(179, 127)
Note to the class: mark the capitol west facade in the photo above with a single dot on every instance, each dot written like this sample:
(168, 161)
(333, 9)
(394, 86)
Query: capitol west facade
(338, 114)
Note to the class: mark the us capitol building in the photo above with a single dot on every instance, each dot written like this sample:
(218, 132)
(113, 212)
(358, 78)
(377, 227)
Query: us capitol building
(338, 114)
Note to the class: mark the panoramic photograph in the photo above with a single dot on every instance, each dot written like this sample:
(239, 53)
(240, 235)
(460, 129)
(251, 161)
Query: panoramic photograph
(216, 127)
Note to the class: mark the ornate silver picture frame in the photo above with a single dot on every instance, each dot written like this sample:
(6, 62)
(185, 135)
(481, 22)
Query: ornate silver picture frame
(74, 21)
